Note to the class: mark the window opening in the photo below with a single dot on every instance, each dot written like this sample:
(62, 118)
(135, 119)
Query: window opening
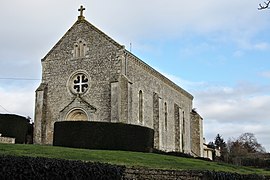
(166, 116)
(140, 107)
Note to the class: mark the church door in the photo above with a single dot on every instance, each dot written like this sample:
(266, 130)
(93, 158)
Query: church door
(77, 115)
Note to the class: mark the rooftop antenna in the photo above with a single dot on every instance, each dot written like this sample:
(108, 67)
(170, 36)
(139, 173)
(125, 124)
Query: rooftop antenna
(130, 47)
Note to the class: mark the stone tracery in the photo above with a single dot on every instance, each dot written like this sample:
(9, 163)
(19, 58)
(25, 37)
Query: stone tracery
(78, 83)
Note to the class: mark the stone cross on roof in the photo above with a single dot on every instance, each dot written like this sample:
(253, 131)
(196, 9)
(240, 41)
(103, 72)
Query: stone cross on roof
(81, 17)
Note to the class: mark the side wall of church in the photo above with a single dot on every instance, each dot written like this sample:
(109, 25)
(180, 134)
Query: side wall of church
(158, 104)
(101, 62)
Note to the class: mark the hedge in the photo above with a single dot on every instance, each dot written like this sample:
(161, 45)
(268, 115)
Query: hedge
(30, 168)
(103, 135)
(14, 126)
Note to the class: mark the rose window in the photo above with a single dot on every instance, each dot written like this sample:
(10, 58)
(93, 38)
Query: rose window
(79, 83)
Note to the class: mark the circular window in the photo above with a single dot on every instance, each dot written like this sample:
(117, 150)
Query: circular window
(79, 83)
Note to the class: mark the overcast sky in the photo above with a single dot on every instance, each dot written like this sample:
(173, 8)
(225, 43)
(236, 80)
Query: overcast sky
(216, 50)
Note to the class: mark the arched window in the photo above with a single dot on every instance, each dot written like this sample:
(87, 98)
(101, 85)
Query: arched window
(166, 115)
(79, 49)
(183, 131)
(140, 107)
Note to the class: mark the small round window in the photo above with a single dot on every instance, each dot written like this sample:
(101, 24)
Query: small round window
(79, 83)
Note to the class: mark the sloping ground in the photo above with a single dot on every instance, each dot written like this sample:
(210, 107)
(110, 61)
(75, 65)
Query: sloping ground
(31, 168)
(129, 159)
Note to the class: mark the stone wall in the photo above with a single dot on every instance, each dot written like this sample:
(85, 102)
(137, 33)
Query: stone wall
(158, 174)
(101, 63)
(7, 140)
(160, 97)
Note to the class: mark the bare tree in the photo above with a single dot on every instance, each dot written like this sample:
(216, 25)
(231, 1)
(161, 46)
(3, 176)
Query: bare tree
(250, 143)
(245, 149)
(264, 6)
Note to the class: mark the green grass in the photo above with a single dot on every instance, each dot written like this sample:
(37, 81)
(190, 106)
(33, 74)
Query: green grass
(126, 158)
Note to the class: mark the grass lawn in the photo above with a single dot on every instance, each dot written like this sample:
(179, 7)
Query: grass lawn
(126, 158)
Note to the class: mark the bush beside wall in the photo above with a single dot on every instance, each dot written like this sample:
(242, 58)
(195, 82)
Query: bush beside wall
(103, 135)
(44, 168)
(14, 126)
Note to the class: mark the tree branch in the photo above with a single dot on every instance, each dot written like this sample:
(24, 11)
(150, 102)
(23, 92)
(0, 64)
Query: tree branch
(265, 6)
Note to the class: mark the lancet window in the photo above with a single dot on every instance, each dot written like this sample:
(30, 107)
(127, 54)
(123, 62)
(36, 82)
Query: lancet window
(80, 49)
(140, 107)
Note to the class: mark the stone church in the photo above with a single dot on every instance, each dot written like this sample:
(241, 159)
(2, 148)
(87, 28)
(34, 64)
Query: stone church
(87, 76)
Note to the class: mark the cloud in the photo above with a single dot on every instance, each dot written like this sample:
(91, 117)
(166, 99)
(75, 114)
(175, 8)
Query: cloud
(137, 20)
(265, 74)
(243, 102)
(19, 100)
(182, 82)
(234, 130)
(231, 110)
(262, 46)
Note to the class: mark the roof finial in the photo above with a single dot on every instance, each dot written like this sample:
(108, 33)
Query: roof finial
(81, 17)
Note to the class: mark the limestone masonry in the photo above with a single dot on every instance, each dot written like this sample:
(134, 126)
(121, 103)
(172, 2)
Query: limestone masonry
(88, 76)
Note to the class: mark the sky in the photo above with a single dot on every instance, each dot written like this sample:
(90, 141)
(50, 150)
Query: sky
(219, 51)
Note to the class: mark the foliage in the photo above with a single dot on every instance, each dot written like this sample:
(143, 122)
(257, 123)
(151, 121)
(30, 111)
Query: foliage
(245, 151)
(257, 160)
(250, 143)
(12, 167)
(219, 142)
(222, 147)
(103, 135)
(243, 148)
(246, 143)
(129, 159)
(16, 127)
(15, 167)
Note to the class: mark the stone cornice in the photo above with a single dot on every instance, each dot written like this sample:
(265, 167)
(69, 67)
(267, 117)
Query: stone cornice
(155, 73)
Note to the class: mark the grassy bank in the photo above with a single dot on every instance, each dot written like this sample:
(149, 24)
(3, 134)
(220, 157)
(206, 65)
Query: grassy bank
(126, 158)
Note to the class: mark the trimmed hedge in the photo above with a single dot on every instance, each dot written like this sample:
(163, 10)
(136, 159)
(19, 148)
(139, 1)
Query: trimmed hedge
(14, 126)
(103, 135)
(255, 162)
(29, 168)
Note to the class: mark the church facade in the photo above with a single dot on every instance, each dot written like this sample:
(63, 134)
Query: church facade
(88, 76)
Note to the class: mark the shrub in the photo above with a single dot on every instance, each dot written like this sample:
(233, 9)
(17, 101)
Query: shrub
(103, 135)
(14, 126)
(12, 167)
